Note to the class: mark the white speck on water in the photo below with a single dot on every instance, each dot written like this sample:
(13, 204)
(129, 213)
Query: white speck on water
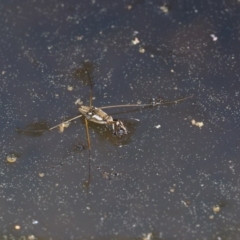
(78, 102)
(164, 9)
(198, 124)
(214, 37)
(34, 222)
(135, 41)
(69, 88)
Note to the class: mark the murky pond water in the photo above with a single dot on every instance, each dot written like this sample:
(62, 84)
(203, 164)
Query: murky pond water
(175, 175)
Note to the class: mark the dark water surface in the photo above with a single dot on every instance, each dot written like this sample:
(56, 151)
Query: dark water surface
(168, 179)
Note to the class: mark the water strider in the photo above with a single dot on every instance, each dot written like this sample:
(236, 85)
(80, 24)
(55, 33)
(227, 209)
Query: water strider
(99, 116)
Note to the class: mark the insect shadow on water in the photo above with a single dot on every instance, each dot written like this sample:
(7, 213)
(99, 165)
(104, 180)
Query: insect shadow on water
(79, 147)
(34, 129)
(98, 116)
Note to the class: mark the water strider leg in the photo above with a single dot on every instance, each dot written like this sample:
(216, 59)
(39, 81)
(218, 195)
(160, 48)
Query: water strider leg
(148, 105)
(65, 122)
(88, 182)
(87, 134)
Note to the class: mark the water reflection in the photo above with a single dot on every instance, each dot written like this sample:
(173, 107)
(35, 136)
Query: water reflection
(84, 73)
(35, 129)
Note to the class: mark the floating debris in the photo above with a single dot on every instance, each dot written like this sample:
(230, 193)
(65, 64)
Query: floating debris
(172, 189)
(216, 208)
(129, 7)
(78, 102)
(142, 50)
(111, 175)
(214, 37)
(63, 125)
(17, 227)
(135, 41)
(198, 124)
(147, 236)
(158, 126)
(79, 38)
(31, 237)
(11, 158)
(41, 174)
(69, 88)
(186, 203)
(164, 9)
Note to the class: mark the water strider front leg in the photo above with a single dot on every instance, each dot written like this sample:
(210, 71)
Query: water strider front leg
(118, 128)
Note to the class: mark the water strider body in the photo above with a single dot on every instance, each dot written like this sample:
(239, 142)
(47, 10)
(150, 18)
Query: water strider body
(97, 115)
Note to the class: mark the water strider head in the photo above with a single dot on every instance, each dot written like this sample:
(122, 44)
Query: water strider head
(118, 128)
